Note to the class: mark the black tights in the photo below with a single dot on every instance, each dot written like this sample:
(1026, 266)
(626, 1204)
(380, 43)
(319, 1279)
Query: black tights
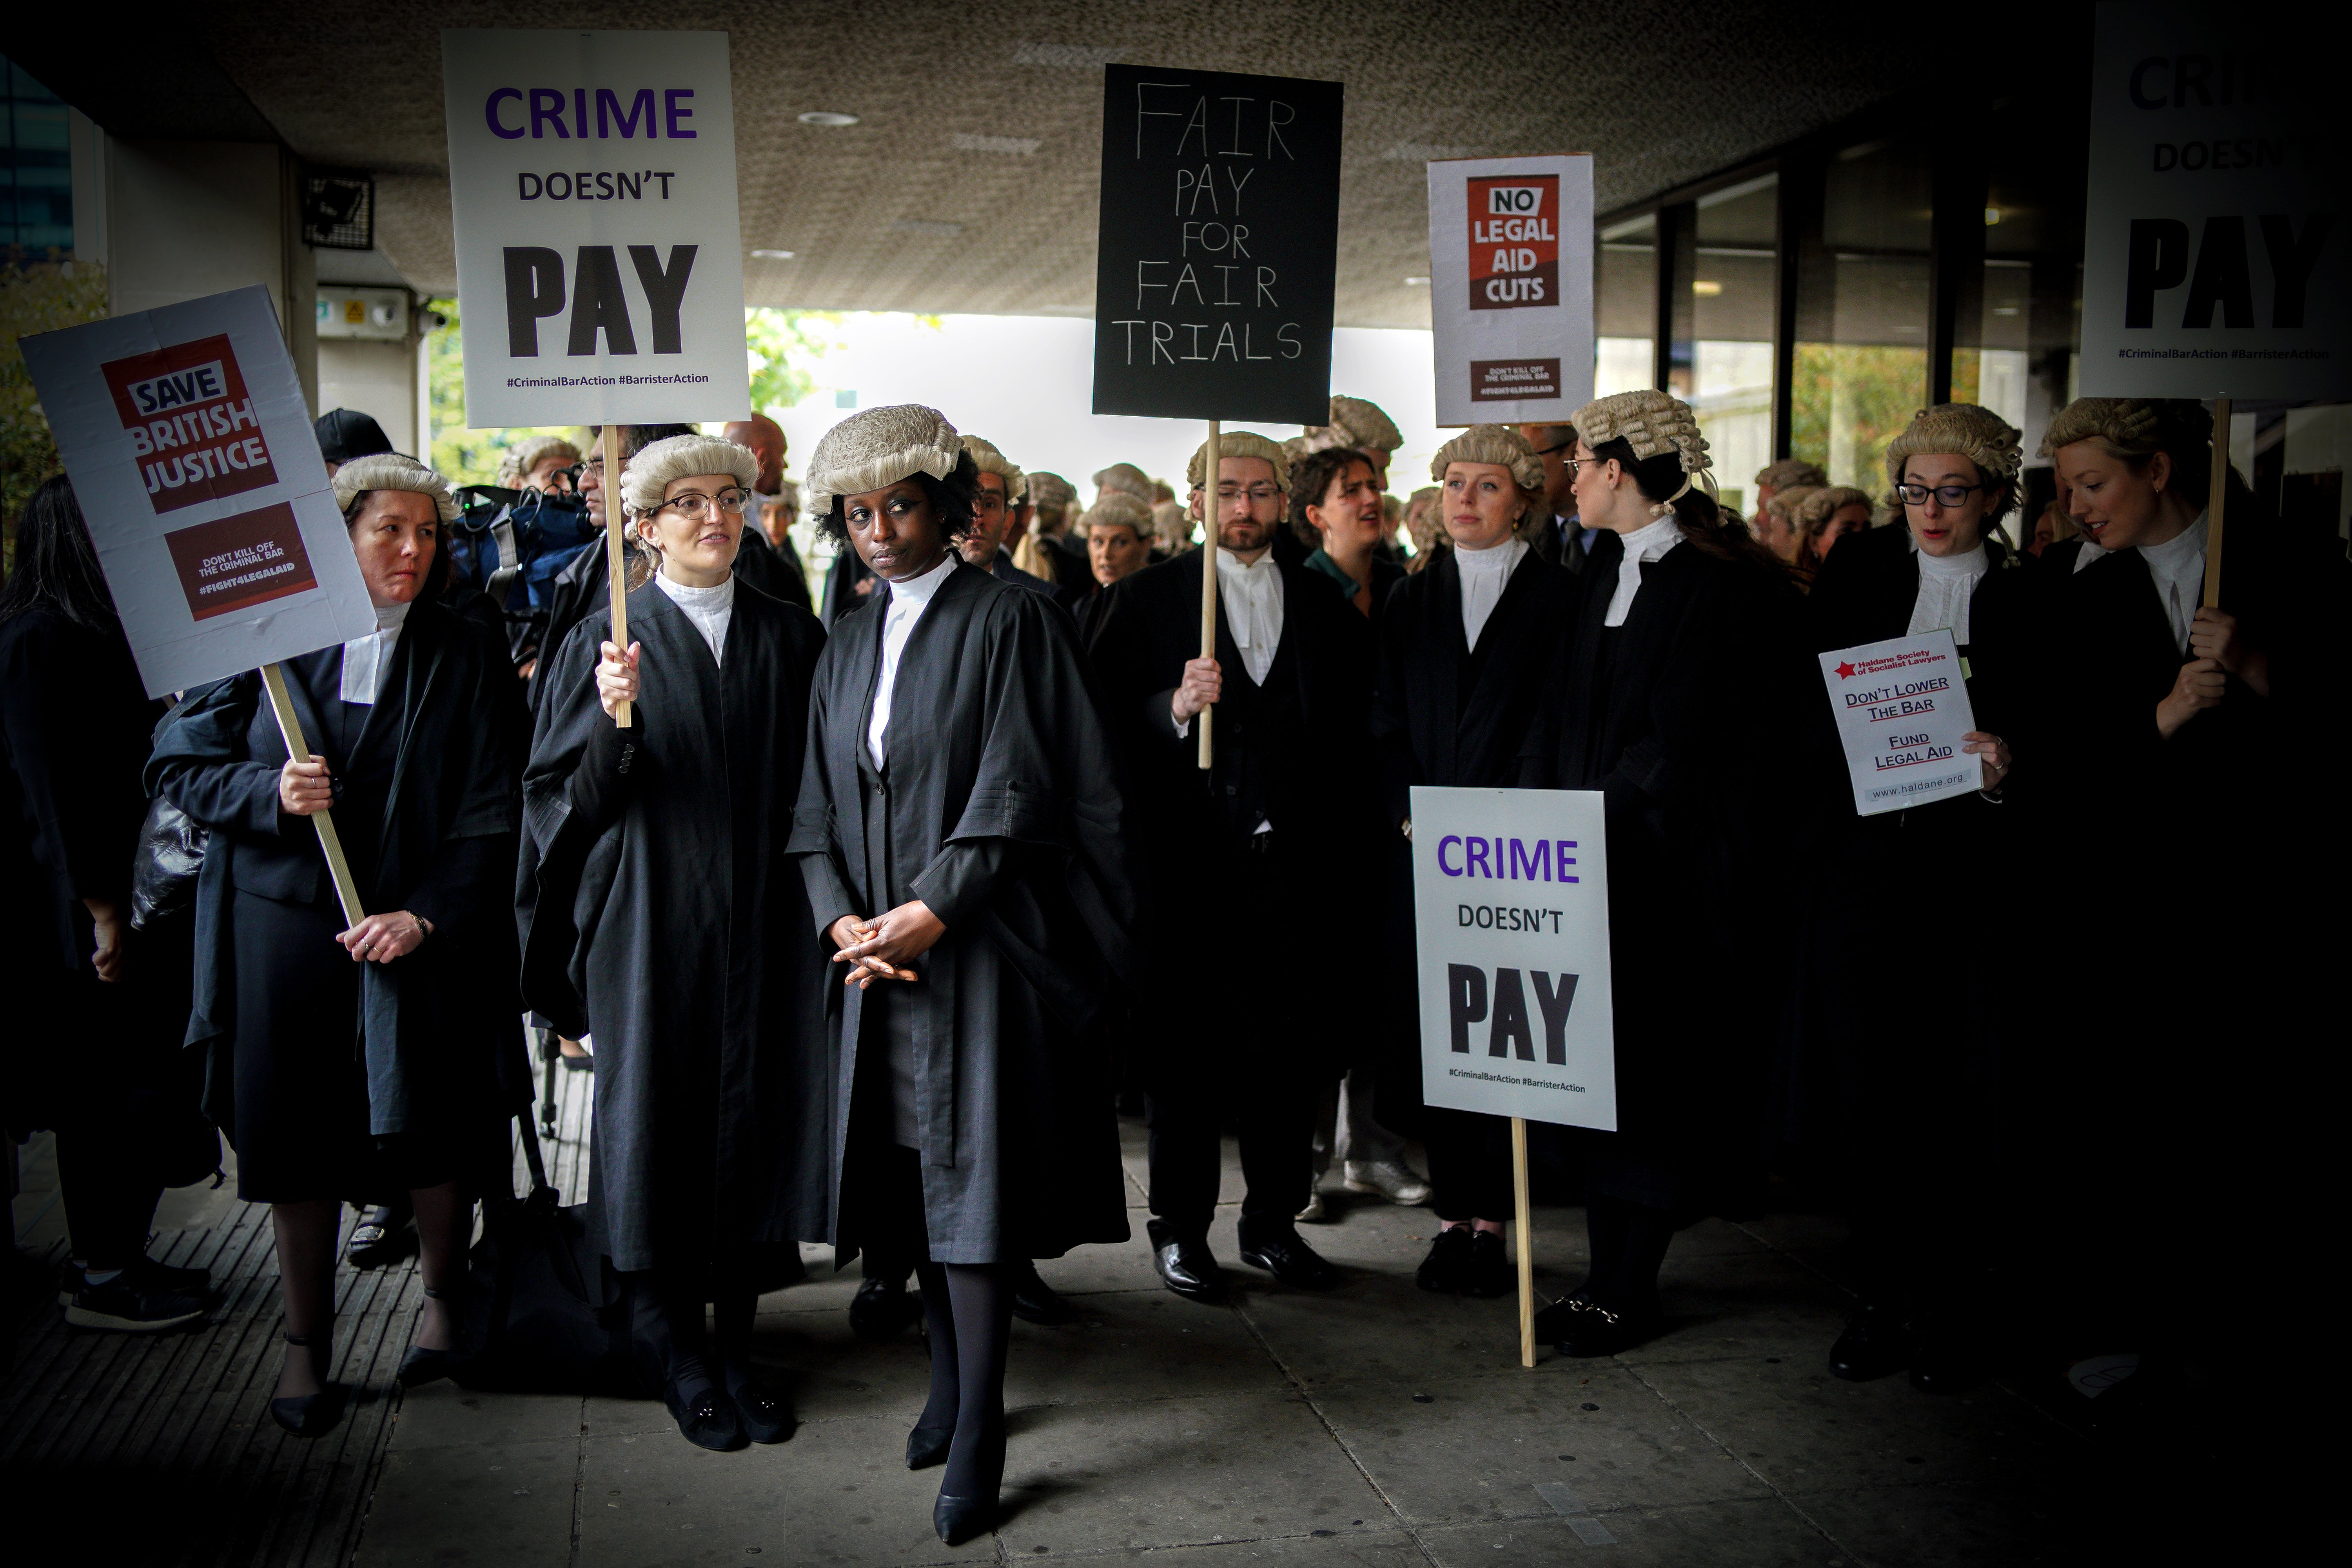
(669, 1319)
(968, 1309)
(1628, 1243)
(109, 1200)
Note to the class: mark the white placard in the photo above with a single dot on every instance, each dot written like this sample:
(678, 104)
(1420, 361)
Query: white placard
(1901, 706)
(592, 185)
(2216, 252)
(190, 452)
(1511, 915)
(1510, 287)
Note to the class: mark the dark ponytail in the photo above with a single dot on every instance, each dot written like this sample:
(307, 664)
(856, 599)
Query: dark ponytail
(1702, 520)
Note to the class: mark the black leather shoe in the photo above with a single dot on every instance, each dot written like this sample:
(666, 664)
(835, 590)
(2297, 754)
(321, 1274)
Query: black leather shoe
(385, 1234)
(765, 1418)
(1489, 1273)
(1448, 1263)
(1580, 1326)
(1282, 1252)
(882, 1308)
(1878, 1340)
(927, 1445)
(1185, 1264)
(958, 1519)
(707, 1421)
(422, 1364)
(1034, 1300)
(310, 1414)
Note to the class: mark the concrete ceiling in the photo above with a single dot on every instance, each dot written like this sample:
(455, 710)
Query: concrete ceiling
(949, 95)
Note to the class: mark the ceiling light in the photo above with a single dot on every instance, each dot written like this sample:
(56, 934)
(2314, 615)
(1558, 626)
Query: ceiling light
(1706, 286)
(1416, 282)
(827, 117)
(1992, 217)
(774, 255)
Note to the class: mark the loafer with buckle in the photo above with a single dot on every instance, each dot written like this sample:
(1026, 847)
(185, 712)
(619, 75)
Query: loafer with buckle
(1582, 1326)
(1185, 1264)
(1282, 1252)
(708, 1420)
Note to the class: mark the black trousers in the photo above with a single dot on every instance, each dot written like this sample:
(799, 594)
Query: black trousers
(1469, 1163)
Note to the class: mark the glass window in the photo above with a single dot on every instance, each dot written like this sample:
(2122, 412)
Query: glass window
(2016, 351)
(1861, 359)
(1626, 307)
(1733, 288)
(35, 171)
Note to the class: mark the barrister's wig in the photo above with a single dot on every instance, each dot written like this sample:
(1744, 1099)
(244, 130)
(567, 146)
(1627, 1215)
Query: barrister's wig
(1354, 422)
(656, 468)
(1171, 529)
(1979, 435)
(1241, 444)
(1125, 478)
(1051, 493)
(989, 460)
(1789, 473)
(877, 448)
(390, 471)
(2134, 429)
(515, 468)
(1497, 445)
(1812, 513)
(1117, 509)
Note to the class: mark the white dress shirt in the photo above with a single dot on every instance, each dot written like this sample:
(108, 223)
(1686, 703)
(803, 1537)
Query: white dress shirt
(2177, 567)
(1947, 583)
(368, 660)
(1253, 596)
(1484, 574)
(909, 600)
(1643, 545)
(708, 608)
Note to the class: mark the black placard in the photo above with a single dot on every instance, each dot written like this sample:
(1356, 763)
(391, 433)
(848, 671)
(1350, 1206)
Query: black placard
(1220, 236)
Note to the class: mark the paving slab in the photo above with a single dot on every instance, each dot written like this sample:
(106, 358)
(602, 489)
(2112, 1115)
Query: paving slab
(1937, 1526)
(1366, 1548)
(443, 1416)
(507, 1504)
(1739, 1533)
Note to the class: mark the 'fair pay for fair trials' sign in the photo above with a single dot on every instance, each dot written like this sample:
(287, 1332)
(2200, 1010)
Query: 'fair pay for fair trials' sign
(1902, 707)
(1220, 238)
(1510, 287)
(2217, 260)
(191, 451)
(599, 264)
(1510, 896)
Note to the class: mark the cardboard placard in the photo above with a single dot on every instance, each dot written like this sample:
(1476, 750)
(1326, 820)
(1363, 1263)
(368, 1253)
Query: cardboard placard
(1511, 920)
(2217, 249)
(1901, 706)
(192, 454)
(592, 185)
(1510, 287)
(1220, 238)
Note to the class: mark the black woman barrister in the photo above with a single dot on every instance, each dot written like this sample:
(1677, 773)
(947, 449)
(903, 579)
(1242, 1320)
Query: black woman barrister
(383, 1055)
(959, 830)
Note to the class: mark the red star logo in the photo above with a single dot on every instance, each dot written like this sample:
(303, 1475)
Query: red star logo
(1845, 672)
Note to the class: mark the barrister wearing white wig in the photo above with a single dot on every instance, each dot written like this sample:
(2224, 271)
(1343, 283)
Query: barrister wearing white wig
(652, 470)
(391, 471)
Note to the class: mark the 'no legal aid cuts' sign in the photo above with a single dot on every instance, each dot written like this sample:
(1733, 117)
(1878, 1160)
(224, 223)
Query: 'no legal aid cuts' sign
(592, 183)
(190, 452)
(1511, 921)
(1510, 282)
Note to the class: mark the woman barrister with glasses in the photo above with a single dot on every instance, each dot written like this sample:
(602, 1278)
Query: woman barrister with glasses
(1905, 1113)
(658, 910)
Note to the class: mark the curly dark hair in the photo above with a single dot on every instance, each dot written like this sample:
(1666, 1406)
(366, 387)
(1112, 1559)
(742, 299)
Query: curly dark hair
(951, 498)
(1702, 521)
(1310, 480)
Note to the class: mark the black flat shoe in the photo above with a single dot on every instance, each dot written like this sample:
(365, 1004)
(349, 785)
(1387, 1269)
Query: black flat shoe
(308, 1416)
(1034, 1300)
(1185, 1264)
(385, 1234)
(1582, 1326)
(927, 1445)
(766, 1418)
(882, 1308)
(1490, 1273)
(424, 1365)
(1448, 1263)
(1282, 1252)
(958, 1519)
(1878, 1340)
(708, 1421)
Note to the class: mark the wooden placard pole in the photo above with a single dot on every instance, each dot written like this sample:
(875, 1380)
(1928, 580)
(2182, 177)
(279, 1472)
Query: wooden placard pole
(617, 579)
(1209, 516)
(2218, 493)
(1525, 1242)
(290, 725)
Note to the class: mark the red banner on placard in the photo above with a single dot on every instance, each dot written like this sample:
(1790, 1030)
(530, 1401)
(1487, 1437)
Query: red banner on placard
(191, 422)
(233, 562)
(1514, 241)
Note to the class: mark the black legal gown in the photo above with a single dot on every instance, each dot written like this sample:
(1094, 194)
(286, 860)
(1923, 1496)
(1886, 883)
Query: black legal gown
(658, 911)
(1002, 811)
(335, 1079)
(1680, 718)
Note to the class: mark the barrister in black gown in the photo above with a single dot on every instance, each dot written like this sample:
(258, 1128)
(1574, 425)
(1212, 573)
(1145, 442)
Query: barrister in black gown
(1464, 646)
(1118, 531)
(658, 909)
(2202, 752)
(1680, 675)
(1278, 823)
(1906, 1108)
(92, 1050)
(959, 829)
(387, 1061)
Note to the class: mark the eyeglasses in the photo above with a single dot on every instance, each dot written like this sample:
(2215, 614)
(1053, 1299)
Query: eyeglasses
(1575, 464)
(1258, 494)
(694, 504)
(1548, 451)
(1945, 495)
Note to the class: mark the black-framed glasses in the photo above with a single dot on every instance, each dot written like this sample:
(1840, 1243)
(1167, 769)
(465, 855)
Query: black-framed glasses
(1258, 494)
(1548, 451)
(1945, 495)
(697, 506)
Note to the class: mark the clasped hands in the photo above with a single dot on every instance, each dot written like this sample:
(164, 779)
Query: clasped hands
(885, 946)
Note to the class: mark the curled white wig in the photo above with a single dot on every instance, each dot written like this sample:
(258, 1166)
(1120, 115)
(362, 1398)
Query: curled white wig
(876, 448)
(986, 457)
(525, 456)
(652, 470)
(391, 471)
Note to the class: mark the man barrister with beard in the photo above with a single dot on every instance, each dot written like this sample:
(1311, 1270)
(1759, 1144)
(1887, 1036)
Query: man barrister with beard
(1270, 830)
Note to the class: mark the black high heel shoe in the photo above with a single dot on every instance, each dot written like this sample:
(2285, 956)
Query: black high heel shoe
(424, 1365)
(927, 1445)
(958, 1519)
(310, 1415)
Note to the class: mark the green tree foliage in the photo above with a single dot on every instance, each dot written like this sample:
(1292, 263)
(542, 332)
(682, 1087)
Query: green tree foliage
(785, 348)
(39, 297)
(1851, 400)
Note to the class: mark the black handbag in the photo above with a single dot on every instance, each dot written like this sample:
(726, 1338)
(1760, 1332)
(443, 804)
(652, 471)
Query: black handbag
(164, 870)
